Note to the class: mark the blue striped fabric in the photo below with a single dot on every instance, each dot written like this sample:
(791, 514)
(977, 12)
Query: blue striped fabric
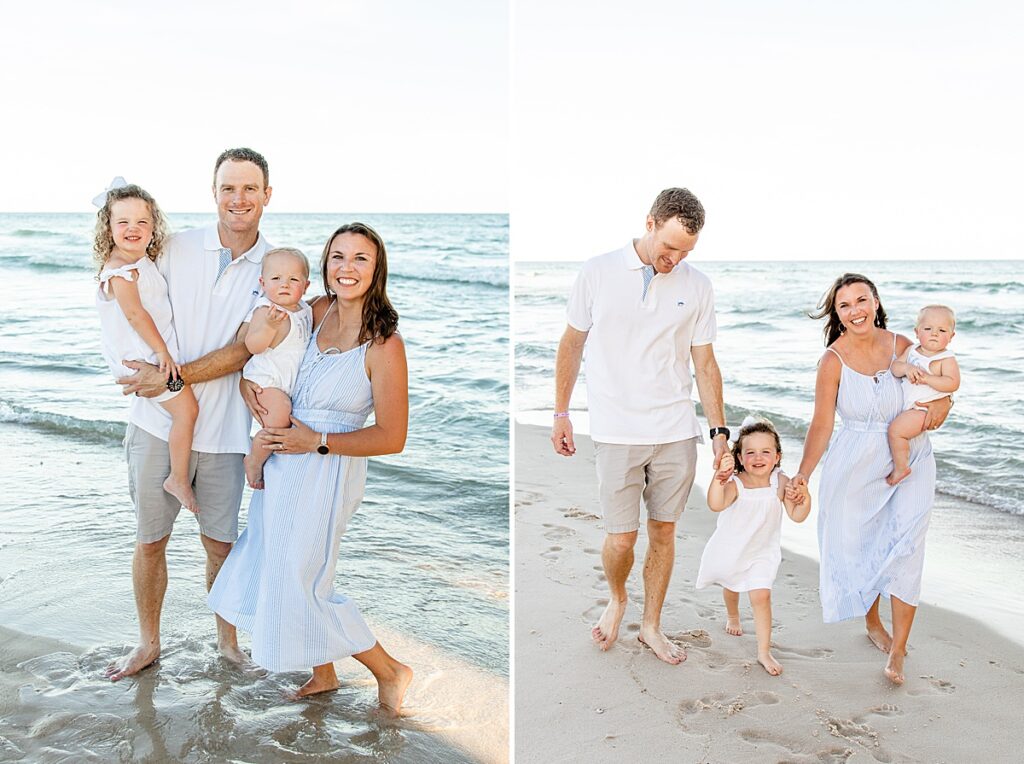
(870, 534)
(648, 274)
(278, 581)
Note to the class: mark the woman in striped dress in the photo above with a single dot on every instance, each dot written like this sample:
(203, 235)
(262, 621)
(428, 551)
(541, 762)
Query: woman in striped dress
(870, 534)
(278, 581)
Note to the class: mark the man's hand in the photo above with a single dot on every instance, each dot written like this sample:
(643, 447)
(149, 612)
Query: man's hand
(936, 412)
(724, 470)
(249, 391)
(146, 382)
(561, 436)
(720, 447)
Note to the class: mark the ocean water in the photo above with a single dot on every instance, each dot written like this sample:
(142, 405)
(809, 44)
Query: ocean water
(768, 350)
(426, 556)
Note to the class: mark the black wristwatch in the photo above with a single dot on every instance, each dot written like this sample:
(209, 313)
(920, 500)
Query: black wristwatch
(720, 431)
(322, 448)
(175, 384)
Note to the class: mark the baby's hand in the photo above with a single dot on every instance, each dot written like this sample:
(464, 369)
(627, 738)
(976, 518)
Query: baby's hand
(276, 315)
(725, 467)
(164, 362)
(915, 374)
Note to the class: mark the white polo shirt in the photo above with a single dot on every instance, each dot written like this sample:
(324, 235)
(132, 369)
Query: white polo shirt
(637, 356)
(207, 313)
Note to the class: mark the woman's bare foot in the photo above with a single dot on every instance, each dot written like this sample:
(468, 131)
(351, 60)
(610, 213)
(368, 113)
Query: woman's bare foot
(253, 472)
(732, 625)
(314, 686)
(391, 694)
(894, 667)
(606, 630)
(661, 646)
(880, 638)
(182, 491)
(771, 665)
(897, 475)
(132, 663)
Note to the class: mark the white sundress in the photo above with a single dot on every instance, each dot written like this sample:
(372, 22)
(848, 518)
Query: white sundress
(745, 550)
(118, 340)
(278, 581)
(870, 534)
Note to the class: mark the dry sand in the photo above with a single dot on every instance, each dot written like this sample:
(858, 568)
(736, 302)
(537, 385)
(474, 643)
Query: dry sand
(961, 701)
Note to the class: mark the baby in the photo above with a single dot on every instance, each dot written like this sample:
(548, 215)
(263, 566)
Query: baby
(279, 328)
(929, 372)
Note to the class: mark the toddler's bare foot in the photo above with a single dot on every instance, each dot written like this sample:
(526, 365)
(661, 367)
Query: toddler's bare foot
(894, 667)
(732, 625)
(897, 475)
(606, 630)
(771, 665)
(660, 645)
(253, 473)
(182, 491)
(880, 638)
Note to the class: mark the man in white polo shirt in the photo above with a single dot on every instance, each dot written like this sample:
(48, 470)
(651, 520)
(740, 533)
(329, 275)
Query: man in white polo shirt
(642, 314)
(213, 281)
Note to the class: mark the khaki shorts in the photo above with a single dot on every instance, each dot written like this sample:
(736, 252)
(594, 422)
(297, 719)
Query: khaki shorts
(662, 475)
(217, 480)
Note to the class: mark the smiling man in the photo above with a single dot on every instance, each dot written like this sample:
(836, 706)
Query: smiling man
(642, 314)
(213, 281)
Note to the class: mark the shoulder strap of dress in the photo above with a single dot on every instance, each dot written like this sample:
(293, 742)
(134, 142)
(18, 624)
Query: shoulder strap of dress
(739, 483)
(324, 318)
(894, 356)
(773, 481)
(124, 271)
(832, 349)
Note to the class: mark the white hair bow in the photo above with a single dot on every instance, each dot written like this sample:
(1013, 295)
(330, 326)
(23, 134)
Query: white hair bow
(101, 200)
(749, 420)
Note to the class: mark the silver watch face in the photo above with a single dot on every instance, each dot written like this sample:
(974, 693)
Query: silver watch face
(175, 384)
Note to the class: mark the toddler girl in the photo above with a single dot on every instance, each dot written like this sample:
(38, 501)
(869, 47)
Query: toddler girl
(929, 372)
(279, 328)
(743, 554)
(135, 315)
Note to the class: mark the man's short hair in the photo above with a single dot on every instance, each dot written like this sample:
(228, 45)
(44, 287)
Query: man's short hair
(243, 155)
(679, 203)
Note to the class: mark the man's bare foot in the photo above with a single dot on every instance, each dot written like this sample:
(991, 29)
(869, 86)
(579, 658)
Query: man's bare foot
(897, 475)
(894, 667)
(253, 473)
(880, 638)
(132, 663)
(182, 491)
(391, 694)
(314, 686)
(661, 646)
(771, 665)
(606, 630)
(732, 625)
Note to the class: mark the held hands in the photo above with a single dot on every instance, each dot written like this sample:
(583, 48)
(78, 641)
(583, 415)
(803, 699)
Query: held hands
(147, 381)
(561, 436)
(297, 439)
(167, 366)
(797, 491)
(724, 470)
(250, 390)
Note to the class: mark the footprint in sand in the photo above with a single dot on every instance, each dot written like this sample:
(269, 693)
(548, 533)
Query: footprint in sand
(692, 638)
(591, 550)
(632, 627)
(886, 709)
(935, 686)
(797, 753)
(552, 553)
(579, 513)
(818, 653)
(862, 734)
(592, 613)
(557, 532)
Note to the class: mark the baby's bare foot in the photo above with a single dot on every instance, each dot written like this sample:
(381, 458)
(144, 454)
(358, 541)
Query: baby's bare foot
(732, 626)
(897, 475)
(253, 473)
(771, 665)
(182, 491)
(606, 630)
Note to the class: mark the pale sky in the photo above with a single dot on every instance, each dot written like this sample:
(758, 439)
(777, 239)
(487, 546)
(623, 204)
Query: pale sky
(809, 130)
(359, 106)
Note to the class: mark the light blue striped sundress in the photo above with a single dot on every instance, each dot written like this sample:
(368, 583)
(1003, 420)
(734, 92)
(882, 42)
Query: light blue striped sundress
(278, 581)
(871, 534)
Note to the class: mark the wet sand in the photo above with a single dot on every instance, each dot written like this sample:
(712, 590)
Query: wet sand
(832, 703)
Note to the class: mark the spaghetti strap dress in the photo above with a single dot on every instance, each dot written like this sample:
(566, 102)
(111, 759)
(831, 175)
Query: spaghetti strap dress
(278, 581)
(870, 534)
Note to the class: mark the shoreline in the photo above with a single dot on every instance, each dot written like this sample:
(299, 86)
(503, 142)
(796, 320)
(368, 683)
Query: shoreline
(831, 703)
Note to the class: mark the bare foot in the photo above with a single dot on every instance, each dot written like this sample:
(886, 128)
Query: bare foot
(880, 638)
(894, 668)
(391, 694)
(314, 686)
(132, 663)
(771, 665)
(182, 491)
(606, 630)
(253, 473)
(661, 646)
(897, 475)
(233, 654)
(732, 625)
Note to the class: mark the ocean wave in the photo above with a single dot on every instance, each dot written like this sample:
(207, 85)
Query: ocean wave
(86, 364)
(85, 430)
(492, 276)
(47, 262)
(28, 233)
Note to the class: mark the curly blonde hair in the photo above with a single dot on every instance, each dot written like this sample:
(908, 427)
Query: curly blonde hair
(103, 240)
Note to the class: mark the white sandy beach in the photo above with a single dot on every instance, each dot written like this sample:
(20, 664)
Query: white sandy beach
(960, 702)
